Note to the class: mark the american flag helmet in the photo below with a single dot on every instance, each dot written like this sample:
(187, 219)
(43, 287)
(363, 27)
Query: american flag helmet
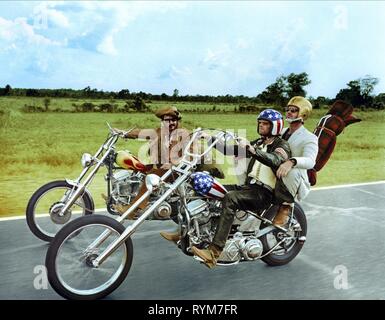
(275, 118)
(206, 185)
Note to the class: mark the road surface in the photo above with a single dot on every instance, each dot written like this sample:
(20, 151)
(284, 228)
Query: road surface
(343, 258)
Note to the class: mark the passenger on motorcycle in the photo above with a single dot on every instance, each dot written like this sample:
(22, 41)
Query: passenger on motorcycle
(267, 153)
(292, 175)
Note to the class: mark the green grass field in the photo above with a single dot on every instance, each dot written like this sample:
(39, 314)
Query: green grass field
(41, 147)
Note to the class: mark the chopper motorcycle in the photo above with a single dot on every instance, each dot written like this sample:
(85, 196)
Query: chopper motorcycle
(92, 255)
(63, 200)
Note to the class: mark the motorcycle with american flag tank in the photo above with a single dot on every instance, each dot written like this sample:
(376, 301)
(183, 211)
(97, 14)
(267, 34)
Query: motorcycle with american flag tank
(92, 255)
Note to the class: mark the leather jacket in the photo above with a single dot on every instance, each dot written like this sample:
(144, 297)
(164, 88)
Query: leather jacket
(271, 158)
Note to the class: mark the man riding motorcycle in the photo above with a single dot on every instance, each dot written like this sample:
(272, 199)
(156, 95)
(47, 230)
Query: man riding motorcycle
(267, 154)
(166, 148)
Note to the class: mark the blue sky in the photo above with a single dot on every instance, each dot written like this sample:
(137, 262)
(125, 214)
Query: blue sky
(214, 48)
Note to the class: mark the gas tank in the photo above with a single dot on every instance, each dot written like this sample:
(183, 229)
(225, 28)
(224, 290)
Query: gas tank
(207, 186)
(126, 160)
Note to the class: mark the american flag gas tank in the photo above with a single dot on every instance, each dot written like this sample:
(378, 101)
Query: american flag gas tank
(206, 185)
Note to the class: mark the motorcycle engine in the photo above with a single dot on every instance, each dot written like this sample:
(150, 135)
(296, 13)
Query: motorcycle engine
(241, 246)
(126, 185)
(202, 213)
(244, 245)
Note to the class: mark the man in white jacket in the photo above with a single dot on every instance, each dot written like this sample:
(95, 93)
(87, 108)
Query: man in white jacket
(292, 174)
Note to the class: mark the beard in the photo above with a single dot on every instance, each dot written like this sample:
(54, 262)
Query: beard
(172, 127)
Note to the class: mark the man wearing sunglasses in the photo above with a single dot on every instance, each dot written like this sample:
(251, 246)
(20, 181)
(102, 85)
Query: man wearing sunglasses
(292, 176)
(167, 143)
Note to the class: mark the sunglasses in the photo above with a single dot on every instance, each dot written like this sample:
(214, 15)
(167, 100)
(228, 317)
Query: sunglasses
(291, 109)
(170, 120)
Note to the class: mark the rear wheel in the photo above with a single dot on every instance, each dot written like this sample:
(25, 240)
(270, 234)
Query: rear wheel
(43, 209)
(69, 259)
(290, 246)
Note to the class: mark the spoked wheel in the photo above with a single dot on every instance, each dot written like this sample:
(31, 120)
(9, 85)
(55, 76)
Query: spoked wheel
(291, 245)
(69, 259)
(43, 209)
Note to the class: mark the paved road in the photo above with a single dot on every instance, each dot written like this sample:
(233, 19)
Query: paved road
(346, 240)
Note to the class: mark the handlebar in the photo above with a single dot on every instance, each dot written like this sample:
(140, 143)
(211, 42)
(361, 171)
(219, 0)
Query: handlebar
(221, 134)
(121, 134)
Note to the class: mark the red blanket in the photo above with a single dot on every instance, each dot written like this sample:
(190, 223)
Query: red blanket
(328, 128)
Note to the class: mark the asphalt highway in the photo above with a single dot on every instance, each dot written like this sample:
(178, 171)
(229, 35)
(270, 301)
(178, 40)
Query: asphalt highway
(343, 258)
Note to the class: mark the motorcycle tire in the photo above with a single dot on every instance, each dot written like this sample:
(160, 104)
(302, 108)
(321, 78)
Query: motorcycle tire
(82, 268)
(34, 226)
(279, 260)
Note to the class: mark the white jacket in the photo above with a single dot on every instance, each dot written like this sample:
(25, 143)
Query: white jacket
(304, 149)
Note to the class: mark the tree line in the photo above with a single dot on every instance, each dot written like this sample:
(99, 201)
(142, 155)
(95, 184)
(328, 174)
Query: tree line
(358, 92)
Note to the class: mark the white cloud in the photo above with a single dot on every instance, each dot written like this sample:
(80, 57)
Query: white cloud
(221, 47)
(287, 41)
(95, 20)
(19, 33)
(180, 72)
(58, 18)
(217, 58)
(45, 15)
(107, 46)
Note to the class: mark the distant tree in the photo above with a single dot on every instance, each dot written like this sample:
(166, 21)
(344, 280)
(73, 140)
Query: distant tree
(32, 93)
(319, 102)
(367, 86)
(88, 107)
(175, 94)
(87, 91)
(139, 105)
(359, 92)
(7, 90)
(379, 102)
(296, 83)
(46, 102)
(284, 88)
(142, 95)
(275, 93)
(124, 94)
(107, 107)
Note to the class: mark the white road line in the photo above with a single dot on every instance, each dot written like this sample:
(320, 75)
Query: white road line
(40, 215)
(348, 185)
(316, 264)
(371, 193)
(321, 267)
(313, 189)
(18, 250)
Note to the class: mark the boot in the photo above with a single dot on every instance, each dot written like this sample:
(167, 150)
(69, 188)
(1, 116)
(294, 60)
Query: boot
(283, 214)
(209, 255)
(105, 198)
(122, 209)
(171, 236)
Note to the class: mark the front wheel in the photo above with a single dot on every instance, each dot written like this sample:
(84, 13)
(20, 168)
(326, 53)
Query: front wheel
(290, 246)
(43, 209)
(69, 259)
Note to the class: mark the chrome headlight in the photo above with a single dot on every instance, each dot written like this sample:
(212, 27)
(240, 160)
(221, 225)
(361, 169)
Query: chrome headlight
(152, 182)
(86, 160)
